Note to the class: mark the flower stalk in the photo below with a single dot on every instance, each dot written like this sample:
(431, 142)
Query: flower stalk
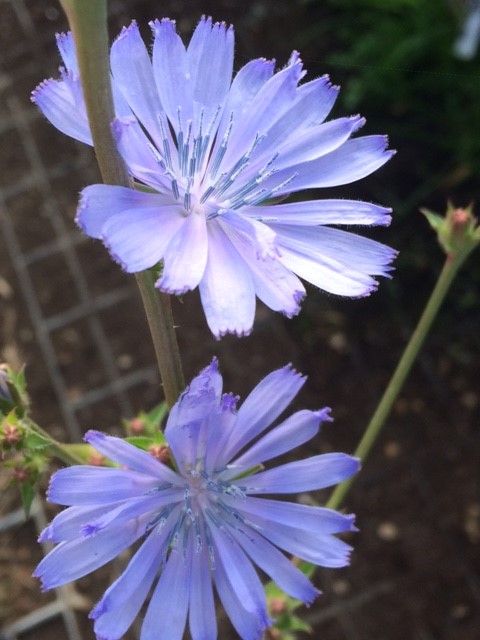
(88, 22)
(453, 262)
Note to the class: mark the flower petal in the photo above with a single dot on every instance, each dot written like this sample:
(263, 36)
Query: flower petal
(129, 456)
(245, 86)
(185, 257)
(264, 404)
(311, 474)
(142, 159)
(234, 572)
(279, 569)
(354, 160)
(68, 523)
(324, 550)
(271, 101)
(202, 615)
(316, 212)
(85, 485)
(138, 238)
(99, 202)
(334, 260)
(122, 601)
(167, 612)
(226, 289)
(318, 520)
(55, 100)
(133, 75)
(185, 431)
(294, 431)
(71, 560)
(210, 60)
(172, 73)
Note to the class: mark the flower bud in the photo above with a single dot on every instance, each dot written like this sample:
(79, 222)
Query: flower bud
(458, 232)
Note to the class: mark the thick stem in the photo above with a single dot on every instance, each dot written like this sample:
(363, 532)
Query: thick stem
(160, 318)
(88, 21)
(394, 387)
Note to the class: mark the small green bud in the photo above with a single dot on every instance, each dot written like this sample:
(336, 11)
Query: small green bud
(458, 232)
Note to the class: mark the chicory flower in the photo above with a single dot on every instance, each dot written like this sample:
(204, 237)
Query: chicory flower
(214, 157)
(206, 522)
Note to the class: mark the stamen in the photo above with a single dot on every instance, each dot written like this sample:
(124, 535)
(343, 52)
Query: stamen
(222, 150)
(166, 144)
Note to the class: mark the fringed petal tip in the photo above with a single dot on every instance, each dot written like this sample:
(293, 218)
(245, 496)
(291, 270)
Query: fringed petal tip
(240, 332)
(98, 610)
(133, 26)
(171, 292)
(46, 535)
(92, 436)
(41, 88)
(324, 414)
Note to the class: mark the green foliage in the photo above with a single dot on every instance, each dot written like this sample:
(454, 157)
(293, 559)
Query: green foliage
(399, 67)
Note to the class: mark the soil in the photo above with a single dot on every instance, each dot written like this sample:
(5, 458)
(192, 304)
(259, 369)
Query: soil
(415, 571)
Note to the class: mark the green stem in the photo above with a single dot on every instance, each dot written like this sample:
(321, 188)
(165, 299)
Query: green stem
(160, 318)
(60, 451)
(88, 21)
(447, 275)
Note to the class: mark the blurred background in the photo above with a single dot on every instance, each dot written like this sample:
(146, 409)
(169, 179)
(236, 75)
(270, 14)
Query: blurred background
(67, 312)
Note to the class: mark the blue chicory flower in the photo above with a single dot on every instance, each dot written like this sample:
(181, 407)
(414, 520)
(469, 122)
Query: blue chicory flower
(207, 521)
(215, 155)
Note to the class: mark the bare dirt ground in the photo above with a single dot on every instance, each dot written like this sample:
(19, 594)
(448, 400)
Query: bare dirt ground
(415, 571)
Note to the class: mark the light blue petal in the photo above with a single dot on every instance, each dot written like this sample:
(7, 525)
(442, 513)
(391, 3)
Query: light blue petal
(71, 560)
(133, 75)
(294, 431)
(202, 615)
(167, 612)
(55, 100)
(240, 572)
(315, 212)
(141, 159)
(311, 474)
(318, 520)
(264, 404)
(122, 601)
(354, 160)
(245, 86)
(172, 74)
(185, 429)
(66, 48)
(239, 588)
(275, 285)
(129, 456)
(307, 146)
(271, 101)
(210, 60)
(185, 257)
(281, 570)
(68, 523)
(226, 289)
(85, 485)
(364, 254)
(138, 238)
(99, 202)
(322, 549)
(337, 261)
(249, 625)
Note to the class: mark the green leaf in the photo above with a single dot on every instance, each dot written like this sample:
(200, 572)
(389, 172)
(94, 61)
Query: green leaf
(156, 416)
(36, 441)
(27, 491)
